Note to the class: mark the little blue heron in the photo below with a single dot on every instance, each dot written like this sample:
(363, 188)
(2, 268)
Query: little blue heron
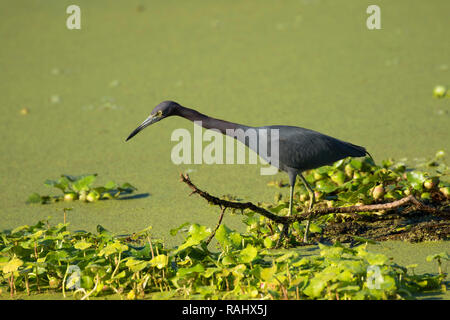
(300, 149)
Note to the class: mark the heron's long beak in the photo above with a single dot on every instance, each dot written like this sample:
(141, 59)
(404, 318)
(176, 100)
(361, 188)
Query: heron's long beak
(150, 120)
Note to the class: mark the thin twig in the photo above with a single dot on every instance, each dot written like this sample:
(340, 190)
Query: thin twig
(217, 226)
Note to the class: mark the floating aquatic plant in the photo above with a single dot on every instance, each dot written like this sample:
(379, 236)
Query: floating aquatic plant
(81, 188)
(82, 264)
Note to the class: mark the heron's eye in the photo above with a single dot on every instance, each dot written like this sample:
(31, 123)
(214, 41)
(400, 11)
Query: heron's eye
(159, 113)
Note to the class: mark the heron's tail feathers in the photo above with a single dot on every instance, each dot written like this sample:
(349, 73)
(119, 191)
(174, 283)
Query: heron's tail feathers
(360, 151)
(356, 151)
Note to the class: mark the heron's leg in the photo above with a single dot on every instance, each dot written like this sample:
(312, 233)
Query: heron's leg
(292, 178)
(285, 231)
(291, 200)
(311, 203)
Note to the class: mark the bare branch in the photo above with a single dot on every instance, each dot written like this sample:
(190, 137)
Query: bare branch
(231, 204)
(352, 210)
(217, 226)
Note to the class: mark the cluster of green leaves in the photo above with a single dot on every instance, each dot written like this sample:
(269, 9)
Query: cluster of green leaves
(356, 182)
(42, 257)
(81, 188)
(351, 181)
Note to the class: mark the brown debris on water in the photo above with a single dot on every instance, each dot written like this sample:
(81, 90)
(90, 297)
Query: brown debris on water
(415, 226)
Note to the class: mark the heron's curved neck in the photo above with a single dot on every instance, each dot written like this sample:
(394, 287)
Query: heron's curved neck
(208, 122)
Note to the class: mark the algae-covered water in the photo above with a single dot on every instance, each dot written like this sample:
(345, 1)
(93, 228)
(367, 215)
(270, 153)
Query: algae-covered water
(306, 63)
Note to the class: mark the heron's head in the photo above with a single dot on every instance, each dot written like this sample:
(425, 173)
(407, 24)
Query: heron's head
(163, 110)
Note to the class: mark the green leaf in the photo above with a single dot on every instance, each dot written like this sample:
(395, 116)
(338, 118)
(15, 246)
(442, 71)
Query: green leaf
(356, 164)
(228, 259)
(228, 238)
(416, 179)
(198, 268)
(222, 236)
(331, 251)
(197, 234)
(111, 248)
(210, 271)
(277, 209)
(20, 228)
(286, 256)
(100, 190)
(348, 288)
(128, 187)
(339, 163)
(324, 169)
(268, 273)
(57, 256)
(326, 186)
(111, 185)
(315, 228)
(12, 265)
(138, 265)
(160, 261)
(315, 287)
(57, 184)
(268, 243)
(76, 178)
(83, 183)
(64, 182)
(120, 275)
(174, 231)
(248, 254)
(236, 239)
(239, 270)
(82, 245)
(87, 282)
(36, 235)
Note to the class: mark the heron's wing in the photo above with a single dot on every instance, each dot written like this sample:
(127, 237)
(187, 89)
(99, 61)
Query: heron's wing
(305, 149)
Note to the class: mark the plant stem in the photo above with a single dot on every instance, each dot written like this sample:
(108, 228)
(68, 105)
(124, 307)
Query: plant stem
(11, 287)
(117, 265)
(27, 284)
(93, 289)
(151, 246)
